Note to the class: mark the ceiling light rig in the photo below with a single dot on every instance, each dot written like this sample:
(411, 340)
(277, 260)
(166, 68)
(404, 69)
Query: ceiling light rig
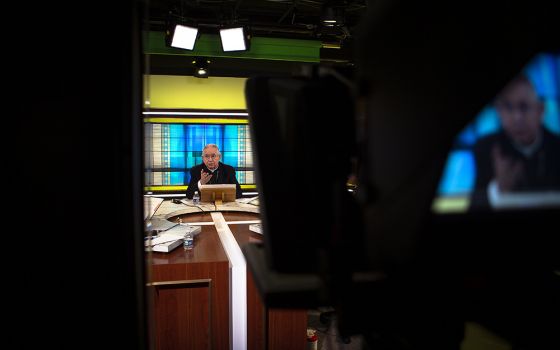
(182, 32)
(324, 20)
(232, 38)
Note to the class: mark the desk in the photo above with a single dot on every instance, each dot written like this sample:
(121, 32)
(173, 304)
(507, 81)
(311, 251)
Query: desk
(191, 293)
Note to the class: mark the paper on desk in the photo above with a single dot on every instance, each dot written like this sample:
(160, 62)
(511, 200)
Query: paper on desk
(151, 204)
(181, 229)
(163, 238)
(200, 206)
(158, 224)
(248, 200)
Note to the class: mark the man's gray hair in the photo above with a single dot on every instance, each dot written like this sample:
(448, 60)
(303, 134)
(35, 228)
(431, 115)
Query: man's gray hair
(213, 145)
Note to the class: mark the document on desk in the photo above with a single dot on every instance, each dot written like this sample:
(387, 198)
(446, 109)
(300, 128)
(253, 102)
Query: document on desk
(170, 239)
(157, 224)
(203, 206)
(168, 208)
(240, 205)
(256, 228)
(151, 204)
(163, 243)
(250, 200)
(181, 229)
(163, 238)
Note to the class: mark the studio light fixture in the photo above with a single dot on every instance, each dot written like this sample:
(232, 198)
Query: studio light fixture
(234, 39)
(183, 37)
(201, 67)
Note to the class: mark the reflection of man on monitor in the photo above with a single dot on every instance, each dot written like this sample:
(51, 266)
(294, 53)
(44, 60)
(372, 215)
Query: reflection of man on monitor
(212, 172)
(521, 159)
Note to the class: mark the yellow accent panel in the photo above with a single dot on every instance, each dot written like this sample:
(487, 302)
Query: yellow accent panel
(185, 92)
(184, 188)
(248, 187)
(455, 204)
(165, 188)
(195, 121)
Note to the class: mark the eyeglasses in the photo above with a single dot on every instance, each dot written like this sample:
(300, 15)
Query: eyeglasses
(521, 107)
(210, 156)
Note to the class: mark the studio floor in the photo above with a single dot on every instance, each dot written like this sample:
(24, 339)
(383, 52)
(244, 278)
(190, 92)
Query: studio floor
(476, 336)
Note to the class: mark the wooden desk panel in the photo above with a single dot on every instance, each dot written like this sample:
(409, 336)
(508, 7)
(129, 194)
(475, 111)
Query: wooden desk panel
(256, 317)
(287, 329)
(183, 312)
(183, 309)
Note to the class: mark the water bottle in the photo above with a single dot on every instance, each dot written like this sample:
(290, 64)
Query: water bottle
(188, 241)
(312, 339)
(196, 198)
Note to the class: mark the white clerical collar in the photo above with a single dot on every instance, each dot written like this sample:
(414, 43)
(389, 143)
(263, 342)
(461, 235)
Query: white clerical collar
(528, 151)
(212, 170)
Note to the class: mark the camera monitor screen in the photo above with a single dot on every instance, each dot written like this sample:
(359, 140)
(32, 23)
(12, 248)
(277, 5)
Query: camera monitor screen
(508, 157)
(220, 192)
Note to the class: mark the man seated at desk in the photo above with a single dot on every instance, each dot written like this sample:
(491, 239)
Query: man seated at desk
(523, 157)
(212, 171)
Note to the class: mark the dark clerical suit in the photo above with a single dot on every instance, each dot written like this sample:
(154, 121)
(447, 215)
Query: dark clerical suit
(224, 174)
(541, 168)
